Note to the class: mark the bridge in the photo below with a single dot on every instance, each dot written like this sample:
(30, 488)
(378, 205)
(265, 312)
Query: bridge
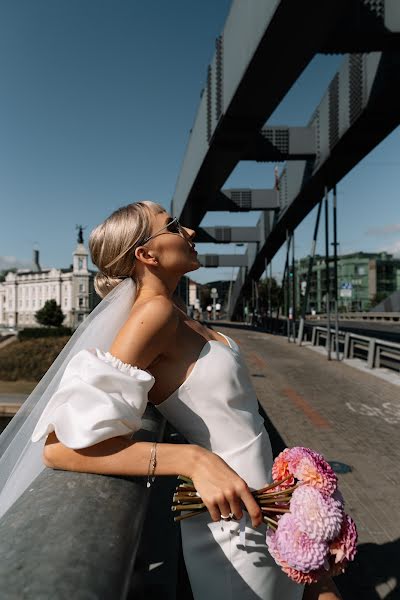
(119, 540)
(246, 83)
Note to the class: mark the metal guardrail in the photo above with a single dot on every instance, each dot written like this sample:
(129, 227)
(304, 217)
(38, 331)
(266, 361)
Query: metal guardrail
(361, 316)
(75, 534)
(378, 353)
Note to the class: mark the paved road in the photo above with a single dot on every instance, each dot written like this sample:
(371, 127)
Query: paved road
(350, 417)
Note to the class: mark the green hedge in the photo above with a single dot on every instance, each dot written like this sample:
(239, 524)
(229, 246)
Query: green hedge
(30, 359)
(30, 333)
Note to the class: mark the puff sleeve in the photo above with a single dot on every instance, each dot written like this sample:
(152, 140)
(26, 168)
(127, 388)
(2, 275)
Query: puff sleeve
(98, 397)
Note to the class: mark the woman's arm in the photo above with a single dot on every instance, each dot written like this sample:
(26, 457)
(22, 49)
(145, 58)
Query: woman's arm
(220, 487)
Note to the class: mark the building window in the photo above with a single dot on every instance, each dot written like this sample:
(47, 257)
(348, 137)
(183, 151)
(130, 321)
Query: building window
(80, 263)
(65, 301)
(81, 287)
(80, 301)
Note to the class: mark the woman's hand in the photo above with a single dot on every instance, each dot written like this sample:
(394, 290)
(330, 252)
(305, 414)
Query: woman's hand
(221, 488)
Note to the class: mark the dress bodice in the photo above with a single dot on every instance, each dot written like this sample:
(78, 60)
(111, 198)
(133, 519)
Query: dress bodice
(216, 408)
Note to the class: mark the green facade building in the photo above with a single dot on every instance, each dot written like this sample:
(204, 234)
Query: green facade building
(364, 279)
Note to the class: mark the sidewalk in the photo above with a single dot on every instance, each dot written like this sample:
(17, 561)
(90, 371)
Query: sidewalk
(350, 417)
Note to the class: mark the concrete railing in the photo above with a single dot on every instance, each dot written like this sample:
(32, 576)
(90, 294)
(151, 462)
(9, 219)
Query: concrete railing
(76, 535)
(378, 352)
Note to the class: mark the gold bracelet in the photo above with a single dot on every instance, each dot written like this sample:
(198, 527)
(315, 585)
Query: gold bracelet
(152, 465)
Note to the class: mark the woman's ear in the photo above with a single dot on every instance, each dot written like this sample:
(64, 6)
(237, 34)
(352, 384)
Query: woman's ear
(145, 256)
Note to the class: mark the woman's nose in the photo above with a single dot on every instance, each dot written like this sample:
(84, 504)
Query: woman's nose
(190, 232)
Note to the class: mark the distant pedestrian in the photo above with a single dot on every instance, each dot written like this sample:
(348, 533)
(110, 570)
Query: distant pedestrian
(218, 309)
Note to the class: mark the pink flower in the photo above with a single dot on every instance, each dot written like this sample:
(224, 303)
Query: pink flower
(280, 470)
(294, 574)
(295, 548)
(295, 455)
(344, 546)
(313, 469)
(300, 577)
(320, 517)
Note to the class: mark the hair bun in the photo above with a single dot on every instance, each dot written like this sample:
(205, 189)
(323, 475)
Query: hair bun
(103, 283)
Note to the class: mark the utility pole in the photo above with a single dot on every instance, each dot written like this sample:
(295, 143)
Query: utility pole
(335, 277)
(293, 291)
(287, 285)
(309, 276)
(327, 276)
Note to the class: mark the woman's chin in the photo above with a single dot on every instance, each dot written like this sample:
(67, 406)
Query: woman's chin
(194, 266)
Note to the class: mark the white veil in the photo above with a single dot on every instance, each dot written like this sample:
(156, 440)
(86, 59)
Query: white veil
(21, 460)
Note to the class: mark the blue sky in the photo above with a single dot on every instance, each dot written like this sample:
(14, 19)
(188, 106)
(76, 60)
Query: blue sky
(96, 103)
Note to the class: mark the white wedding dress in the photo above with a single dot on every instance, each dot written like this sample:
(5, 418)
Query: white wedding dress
(216, 407)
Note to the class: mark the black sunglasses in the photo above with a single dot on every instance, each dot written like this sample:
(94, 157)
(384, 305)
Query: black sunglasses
(172, 227)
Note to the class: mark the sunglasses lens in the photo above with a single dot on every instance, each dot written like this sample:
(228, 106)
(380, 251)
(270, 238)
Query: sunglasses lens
(174, 227)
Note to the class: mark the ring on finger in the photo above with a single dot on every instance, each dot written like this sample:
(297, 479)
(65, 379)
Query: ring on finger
(230, 516)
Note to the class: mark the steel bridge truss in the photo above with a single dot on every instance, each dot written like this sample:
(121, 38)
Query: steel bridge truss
(359, 109)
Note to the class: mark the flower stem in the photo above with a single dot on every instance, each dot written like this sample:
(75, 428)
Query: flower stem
(192, 514)
(275, 510)
(185, 479)
(270, 522)
(188, 506)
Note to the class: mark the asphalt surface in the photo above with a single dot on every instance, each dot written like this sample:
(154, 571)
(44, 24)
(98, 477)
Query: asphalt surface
(352, 418)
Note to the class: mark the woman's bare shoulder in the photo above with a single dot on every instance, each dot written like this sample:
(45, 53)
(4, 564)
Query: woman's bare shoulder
(147, 332)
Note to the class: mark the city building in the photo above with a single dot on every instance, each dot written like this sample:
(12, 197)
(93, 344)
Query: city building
(364, 280)
(189, 292)
(25, 291)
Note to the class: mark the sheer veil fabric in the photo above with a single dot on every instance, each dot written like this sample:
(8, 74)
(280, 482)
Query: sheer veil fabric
(21, 460)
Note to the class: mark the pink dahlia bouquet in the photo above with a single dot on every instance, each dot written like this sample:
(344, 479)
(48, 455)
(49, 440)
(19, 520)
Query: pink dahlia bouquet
(308, 532)
(316, 536)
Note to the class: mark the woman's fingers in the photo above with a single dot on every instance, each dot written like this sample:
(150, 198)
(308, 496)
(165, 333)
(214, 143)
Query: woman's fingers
(214, 511)
(235, 508)
(252, 507)
(224, 507)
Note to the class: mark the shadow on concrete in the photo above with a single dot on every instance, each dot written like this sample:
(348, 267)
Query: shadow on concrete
(374, 574)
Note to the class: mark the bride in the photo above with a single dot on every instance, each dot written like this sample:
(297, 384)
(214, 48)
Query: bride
(197, 378)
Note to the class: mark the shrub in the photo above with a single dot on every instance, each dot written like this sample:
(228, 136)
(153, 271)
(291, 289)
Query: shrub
(30, 359)
(42, 332)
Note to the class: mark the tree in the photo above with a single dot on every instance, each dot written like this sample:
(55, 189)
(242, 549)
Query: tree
(50, 315)
(275, 293)
(3, 272)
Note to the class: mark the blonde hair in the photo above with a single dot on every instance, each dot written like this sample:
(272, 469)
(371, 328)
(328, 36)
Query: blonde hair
(112, 243)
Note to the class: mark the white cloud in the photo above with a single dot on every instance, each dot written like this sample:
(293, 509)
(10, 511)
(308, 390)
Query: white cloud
(393, 248)
(11, 262)
(384, 230)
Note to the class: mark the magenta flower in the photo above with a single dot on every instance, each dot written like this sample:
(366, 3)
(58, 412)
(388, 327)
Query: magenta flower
(320, 517)
(344, 546)
(295, 548)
